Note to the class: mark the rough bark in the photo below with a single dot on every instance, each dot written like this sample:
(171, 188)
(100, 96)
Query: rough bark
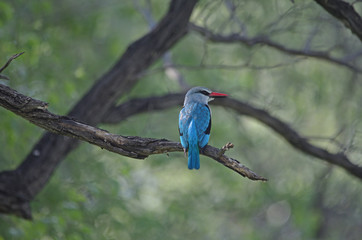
(51, 148)
(18, 187)
(15, 195)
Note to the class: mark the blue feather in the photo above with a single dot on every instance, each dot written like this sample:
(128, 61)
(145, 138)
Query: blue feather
(193, 158)
(194, 129)
(195, 123)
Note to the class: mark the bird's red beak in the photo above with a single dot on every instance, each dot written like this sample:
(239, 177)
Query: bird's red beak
(217, 95)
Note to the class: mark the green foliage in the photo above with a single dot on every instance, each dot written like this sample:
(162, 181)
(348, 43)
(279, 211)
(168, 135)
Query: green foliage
(95, 194)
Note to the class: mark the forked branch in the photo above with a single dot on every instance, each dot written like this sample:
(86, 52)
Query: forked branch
(36, 112)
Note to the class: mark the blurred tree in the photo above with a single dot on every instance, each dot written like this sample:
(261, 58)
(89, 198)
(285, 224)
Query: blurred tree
(295, 60)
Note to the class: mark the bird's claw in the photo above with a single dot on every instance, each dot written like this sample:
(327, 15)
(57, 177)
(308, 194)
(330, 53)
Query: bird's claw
(185, 153)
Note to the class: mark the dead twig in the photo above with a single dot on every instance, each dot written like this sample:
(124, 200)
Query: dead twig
(7, 64)
(226, 147)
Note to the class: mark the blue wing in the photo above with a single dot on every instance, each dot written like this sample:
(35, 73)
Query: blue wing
(201, 115)
(203, 124)
(183, 125)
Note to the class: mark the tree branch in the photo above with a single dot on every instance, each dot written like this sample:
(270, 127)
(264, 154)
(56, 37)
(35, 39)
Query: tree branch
(36, 112)
(134, 106)
(291, 136)
(264, 40)
(172, 72)
(140, 105)
(345, 13)
(51, 149)
(7, 64)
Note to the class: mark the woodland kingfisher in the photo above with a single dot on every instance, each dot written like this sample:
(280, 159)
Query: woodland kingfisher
(195, 122)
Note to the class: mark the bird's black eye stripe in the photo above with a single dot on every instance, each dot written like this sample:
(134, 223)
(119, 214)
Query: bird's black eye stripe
(205, 92)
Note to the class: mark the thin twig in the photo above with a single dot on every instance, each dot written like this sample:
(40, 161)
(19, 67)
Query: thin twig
(226, 147)
(168, 65)
(264, 40)
(9, 61)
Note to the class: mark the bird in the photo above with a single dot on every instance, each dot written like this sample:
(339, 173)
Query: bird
(195, 122)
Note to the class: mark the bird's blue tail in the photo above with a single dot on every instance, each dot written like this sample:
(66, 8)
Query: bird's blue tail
(194, 158)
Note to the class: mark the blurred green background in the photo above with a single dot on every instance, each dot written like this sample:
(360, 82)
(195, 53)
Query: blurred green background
(95, 194)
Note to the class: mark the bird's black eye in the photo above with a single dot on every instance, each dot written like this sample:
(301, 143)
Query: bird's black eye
(204, 92)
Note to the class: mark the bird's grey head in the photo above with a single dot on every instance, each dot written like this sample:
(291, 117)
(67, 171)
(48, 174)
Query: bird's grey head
(201, 95)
